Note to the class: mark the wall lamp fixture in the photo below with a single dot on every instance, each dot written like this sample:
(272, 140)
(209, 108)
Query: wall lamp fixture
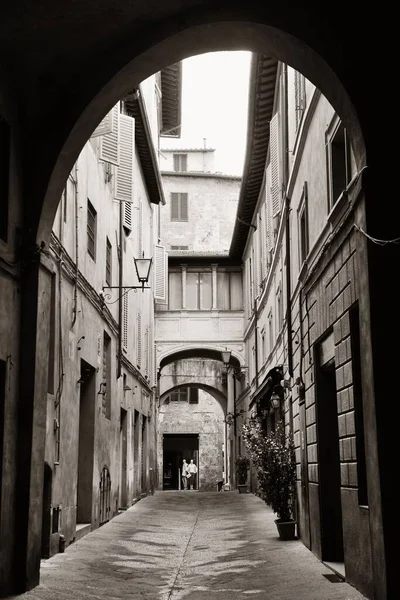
(230, 418)
(101, 390)
(142, 266)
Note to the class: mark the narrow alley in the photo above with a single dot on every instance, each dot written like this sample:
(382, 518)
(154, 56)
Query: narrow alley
(193, 545)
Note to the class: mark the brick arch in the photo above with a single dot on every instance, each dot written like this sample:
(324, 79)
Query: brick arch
(136, 56)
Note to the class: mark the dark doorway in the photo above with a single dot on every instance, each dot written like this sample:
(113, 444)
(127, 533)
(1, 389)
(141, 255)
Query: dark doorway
(176, 447)
(2, 408)
(123, 446)
(86, 443)
(329, 457)
(46, 510)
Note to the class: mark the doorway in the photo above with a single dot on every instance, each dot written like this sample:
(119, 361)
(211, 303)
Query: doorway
(86, 443)
(176, 447)
(329, 456)
(123, 447)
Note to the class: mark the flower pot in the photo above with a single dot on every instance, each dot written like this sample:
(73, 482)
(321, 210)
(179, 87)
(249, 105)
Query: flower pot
(242, 487)
(286, 529)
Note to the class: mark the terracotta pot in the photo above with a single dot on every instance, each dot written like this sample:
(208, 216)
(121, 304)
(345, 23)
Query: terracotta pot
(286, 529)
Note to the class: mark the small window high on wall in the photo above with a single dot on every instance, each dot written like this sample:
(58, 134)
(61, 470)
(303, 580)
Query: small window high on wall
(180, 163)
(179, 206)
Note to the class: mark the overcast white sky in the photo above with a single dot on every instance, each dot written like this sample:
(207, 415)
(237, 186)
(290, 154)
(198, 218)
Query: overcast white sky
(214, 106)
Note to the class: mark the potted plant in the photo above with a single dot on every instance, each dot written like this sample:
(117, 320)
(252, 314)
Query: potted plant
(242, 467)
(273, 455)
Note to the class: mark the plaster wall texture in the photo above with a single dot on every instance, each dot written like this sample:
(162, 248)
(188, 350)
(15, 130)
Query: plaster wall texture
(212, 204)
(205, 419)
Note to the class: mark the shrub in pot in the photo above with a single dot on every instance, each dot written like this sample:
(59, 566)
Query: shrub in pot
(273, 455)
(242, 466)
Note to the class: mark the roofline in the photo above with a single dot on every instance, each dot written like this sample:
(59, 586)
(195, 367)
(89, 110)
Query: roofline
(261, 104)
(146, 151)
(200, 174)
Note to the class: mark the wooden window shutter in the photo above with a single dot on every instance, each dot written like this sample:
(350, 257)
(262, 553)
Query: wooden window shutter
(184, 207)
(193, 395)
(174, 206)
(140, 229)
(276, 178)
(109, 148)
(160, 273)
(125, 323)
(146, 351)
(139, 341)
(268, 211)
(105, 126)
(124, 177)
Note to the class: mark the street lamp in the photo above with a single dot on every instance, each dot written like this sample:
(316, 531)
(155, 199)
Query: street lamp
(142, 266)
(226, 357)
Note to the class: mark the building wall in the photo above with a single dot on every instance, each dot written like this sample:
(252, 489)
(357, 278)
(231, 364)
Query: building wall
(212, 204)
(201, 161)
(324, 289)
(205, 419)
(108, 418)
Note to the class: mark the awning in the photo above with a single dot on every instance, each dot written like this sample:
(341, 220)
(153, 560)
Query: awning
(263, 394)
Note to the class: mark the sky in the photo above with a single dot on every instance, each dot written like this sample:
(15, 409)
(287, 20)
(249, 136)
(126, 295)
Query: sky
(214, 106)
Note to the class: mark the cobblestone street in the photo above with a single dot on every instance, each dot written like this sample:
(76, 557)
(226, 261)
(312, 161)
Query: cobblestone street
(193, 545)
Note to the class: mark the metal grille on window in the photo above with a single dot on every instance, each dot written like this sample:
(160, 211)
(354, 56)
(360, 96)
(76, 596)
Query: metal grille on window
(91, 229)
(105, 496)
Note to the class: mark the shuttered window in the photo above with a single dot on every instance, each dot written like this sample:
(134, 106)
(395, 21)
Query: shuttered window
(180, 163)
(193, 395)
(146, 351)
(276, 176)
(91, 229)
(109, 146)
(160, 273)
(140, 229)
(106, 403)
(124, 175)
(303, 226)
(125, 322)
(105, 125)
(139, 341)
(300, 96)
(108, 262)
(229, 290)
(268, 212)
(179, 206)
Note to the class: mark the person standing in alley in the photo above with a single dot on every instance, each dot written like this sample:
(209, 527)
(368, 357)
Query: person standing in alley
(185, 467)
(192, 469)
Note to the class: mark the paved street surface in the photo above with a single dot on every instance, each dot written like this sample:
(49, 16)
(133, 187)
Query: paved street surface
(190, 545)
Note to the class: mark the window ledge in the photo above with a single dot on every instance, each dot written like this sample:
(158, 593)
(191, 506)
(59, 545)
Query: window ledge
(338, 209)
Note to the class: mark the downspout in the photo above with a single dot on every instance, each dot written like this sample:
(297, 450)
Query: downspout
(287, 225)
(120, 284)
(256, 340)
(75, 308)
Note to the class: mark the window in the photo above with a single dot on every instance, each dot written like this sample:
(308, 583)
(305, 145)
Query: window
(175, 290)
(303, 226)
(5, 141)
(108, 262)
(193, 395)
(198, 290)
(52, 338)
(91, 230)
(339, 166)
(139, 341)
(181, 395)
(300, 96)
(179, 206)
(229, 290)
(270, 331)
(180, 163)
(263, 346)
(125, 306)
(106, 391)
(279, 306)
(179, 247)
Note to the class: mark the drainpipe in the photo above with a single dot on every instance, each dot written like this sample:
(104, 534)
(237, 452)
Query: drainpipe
(75, 308)
(120, 284)
(256, 340)
(287, 225)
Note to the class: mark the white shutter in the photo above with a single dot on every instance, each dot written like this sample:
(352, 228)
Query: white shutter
(139, 340)
(160, 273)
(125, 322)
(140, 229)
(127, 217)
(109, 148)
(268, 211)
(124, 178)
(146, 351)
(105, 126)
(276, 178)
(174, 206)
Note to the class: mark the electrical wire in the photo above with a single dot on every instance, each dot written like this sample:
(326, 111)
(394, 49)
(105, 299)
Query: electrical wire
(377, 240)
